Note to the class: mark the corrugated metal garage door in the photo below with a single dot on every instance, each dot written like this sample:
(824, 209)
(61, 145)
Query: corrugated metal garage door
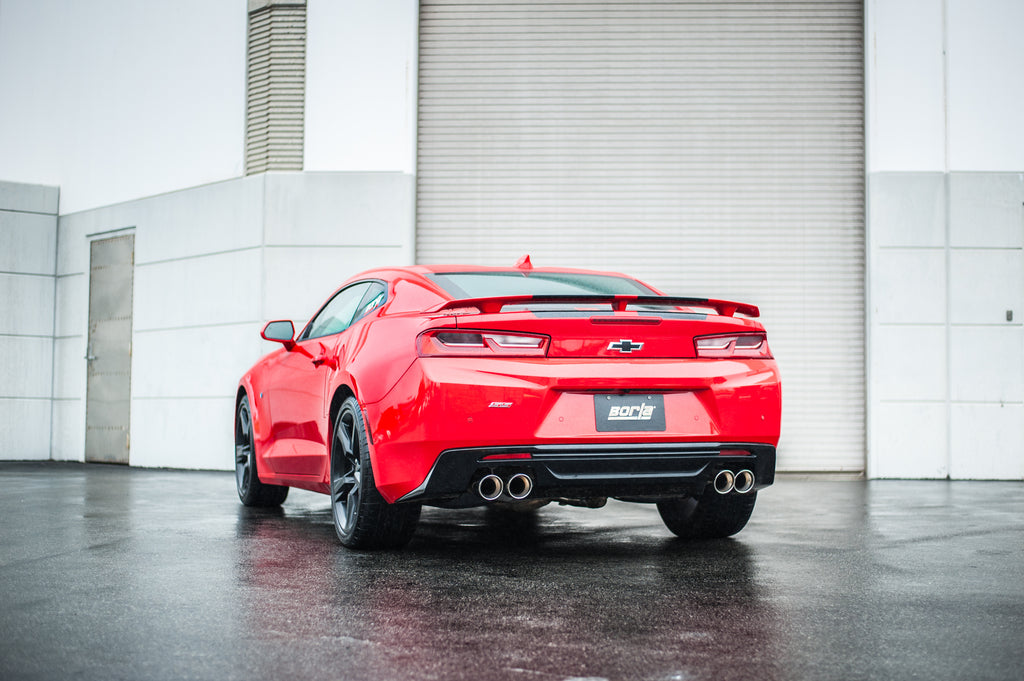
(711, 148)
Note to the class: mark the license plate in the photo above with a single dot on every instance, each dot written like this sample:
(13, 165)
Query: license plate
(616, 413)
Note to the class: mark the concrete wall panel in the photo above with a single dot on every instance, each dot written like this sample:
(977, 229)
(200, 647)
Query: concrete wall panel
(28, 198)
(225, 216)
(24, 429)
(339, 209)
(217, 289)
(184, 433)
(987, 363)
(27, 369)
(68, 431)
(69, 368)
(987, 440)
(984, 284)
(28, 235)
(29, 242)
(33, 313)
(909, 286)
(198, 362)
(907, 209)
(909, 363)
(915, 444)
(986, 210)
(72, 249)
(212, 218)
(72, 318)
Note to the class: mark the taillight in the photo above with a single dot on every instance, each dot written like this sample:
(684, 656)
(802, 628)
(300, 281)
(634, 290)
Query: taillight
(507, 457)
(481, 344)
(733, 346)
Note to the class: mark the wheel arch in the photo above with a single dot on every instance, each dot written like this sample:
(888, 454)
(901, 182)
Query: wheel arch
(341, 393)
(242, 392)
(246, 390)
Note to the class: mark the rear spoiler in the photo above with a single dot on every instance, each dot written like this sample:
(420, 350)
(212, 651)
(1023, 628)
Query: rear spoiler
(617, 303)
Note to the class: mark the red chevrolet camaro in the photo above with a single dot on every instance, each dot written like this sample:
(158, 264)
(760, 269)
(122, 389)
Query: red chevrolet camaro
(459, 386)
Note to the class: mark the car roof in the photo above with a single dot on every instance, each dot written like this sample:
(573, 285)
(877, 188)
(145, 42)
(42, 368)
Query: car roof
(425, 270)
(421, 274)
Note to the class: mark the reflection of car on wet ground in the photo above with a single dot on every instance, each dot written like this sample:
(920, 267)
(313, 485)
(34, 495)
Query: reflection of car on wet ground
(459, 386)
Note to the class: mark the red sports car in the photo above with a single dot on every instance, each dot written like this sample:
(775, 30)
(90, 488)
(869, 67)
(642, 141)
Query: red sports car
(459, 386)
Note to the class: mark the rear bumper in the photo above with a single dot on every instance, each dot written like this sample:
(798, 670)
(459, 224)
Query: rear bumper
(652, 470)
(548, 407)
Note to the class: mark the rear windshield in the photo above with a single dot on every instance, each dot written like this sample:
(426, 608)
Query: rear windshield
(514, 283)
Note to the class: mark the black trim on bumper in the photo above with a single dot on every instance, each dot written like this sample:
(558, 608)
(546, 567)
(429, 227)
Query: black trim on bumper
(593, 470)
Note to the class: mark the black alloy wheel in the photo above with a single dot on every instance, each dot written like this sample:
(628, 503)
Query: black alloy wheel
(251, 491)
(363, 519)
(346, 473)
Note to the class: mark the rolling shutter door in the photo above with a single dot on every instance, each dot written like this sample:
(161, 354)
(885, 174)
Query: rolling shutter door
(710, 148)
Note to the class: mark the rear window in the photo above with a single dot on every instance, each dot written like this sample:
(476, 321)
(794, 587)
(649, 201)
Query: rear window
(514, 283)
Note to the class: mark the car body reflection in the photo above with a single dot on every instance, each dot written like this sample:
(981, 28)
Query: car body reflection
(558, 595)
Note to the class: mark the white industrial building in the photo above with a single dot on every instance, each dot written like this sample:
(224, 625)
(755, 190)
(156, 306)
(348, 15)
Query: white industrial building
(172, 175)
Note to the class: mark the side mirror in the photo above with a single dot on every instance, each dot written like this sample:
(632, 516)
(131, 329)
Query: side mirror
(281, 332)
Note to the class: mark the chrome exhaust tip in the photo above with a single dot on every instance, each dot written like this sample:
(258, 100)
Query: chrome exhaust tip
(744, 481)
(489, 487)
(724, 482)
(519, 486)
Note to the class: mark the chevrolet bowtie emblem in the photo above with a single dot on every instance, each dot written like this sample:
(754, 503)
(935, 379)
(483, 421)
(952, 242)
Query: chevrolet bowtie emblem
(625, 346)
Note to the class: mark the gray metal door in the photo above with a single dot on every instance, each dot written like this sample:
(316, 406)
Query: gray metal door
(109, 354)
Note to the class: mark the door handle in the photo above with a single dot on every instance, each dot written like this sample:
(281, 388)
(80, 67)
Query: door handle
(324, 358)
(320, 360)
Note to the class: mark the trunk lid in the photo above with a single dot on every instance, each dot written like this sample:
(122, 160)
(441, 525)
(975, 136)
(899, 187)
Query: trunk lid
(612, 327)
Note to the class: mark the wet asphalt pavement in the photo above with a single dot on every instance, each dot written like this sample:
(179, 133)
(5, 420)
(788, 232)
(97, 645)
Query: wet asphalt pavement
(116, 573)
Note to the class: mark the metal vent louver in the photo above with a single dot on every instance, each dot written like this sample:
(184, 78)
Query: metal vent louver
(276, 85)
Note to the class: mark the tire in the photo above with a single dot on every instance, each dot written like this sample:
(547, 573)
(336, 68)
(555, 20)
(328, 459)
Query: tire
(251, 491)
(362, 517)
(709, 516)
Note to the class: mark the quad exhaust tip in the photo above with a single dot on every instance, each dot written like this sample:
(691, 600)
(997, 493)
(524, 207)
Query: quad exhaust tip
(519, 486)
(727, 481)
(489, 488)
(724, 482)
(744, 481)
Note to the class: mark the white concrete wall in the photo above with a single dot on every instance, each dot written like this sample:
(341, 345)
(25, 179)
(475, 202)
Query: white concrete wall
(945, 238)
(121, 99)
(137, 111)
(212, 265)
(361, 78)
(28, 248)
